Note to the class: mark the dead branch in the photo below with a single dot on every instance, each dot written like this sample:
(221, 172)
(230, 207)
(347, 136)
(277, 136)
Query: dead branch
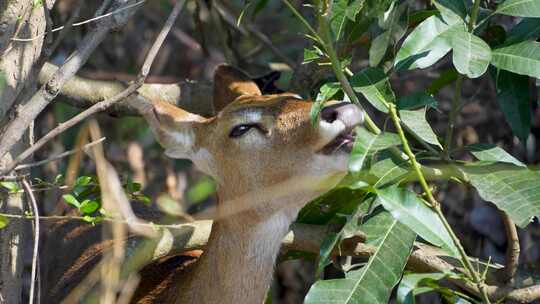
(35, 256)
(26, 113)
(512, 249)
(195, 97)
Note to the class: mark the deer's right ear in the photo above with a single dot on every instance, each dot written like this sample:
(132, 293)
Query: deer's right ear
(172, 127)
(229, 83)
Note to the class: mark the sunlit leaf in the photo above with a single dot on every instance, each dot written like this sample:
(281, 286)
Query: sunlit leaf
(452, 10)
(521, 58)
(89, 206)
(470, 54)
(426, 44)
(367, 143)
(513, 189)
(374, 85)
(326, 92)
(493, 153)
(519, 8)
(394, 24)
(12, 187)
(4, 221)
(410, 210)
(71, 200)
(373, 283)
(417, 123)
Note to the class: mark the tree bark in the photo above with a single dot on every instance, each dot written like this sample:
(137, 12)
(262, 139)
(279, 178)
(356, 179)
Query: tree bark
(17, 62)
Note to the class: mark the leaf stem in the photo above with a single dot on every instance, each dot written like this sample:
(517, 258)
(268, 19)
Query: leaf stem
(434, 204)
(457, 91)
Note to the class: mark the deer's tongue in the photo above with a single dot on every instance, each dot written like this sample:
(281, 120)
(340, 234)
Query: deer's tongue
(342, 143)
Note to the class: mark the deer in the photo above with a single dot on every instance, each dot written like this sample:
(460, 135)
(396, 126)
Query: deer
(252, 144)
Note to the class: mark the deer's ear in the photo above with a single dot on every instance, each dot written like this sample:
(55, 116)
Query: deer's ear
(229, 83)
(173, 127)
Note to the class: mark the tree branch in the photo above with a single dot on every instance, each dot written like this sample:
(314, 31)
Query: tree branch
(26, 113)
(100, 106)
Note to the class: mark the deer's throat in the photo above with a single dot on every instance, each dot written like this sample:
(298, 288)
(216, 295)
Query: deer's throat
(239, 259)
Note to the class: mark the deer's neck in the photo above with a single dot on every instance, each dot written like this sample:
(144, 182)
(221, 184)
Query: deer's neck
(238, 262)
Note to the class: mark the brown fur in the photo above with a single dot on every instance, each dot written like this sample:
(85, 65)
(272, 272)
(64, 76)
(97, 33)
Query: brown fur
(237, 264)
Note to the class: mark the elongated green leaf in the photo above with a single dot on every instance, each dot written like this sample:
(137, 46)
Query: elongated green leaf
(407, 208)
(339, 17)
(12, 187)
(471, 55)
(521, 58)
(394, 24)
(514, 98)
(354, 8)
(4, 221)
(327, 91)
(417, 123)
(374, 282)
(527, 29)
(493, 153)
(416, 100)
(519, 8)
(412, 282)
(366, 144)
(389, 170)
(451, 10)
(374, 85)
(426, 44)
(513, 189)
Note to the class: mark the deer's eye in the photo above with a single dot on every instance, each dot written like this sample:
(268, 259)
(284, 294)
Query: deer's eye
(240, 130)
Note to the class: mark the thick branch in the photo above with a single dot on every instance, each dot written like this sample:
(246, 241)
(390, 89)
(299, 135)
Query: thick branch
(195, 97)
(26, 113)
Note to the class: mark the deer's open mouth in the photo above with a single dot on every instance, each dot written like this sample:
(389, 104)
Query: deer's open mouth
(343, 143)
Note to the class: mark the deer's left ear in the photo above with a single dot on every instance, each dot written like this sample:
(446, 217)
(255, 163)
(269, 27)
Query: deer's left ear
(229, 83)
(173, 128)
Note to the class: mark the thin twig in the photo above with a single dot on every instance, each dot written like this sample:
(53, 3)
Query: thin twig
(35, 257)
(100, 106)
(56, 29)
(512, 249)
(26, 113)
(59, 156)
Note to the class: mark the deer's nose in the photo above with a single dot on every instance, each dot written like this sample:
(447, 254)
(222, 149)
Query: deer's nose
(349, 114)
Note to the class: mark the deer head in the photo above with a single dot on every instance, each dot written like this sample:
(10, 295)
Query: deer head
(253, 143)
(256, 140)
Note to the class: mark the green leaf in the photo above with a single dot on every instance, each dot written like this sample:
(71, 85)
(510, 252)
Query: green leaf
(259, 6)
(527, 29)
(412, 282)
(521, 58)
(417, 123)
(426, 44)
(71, 200)
(410, 210)
(471, 55)
(394, 26)
(519, 8)
(339, 17)
(492, 153)
(416, 100)
(353, 9)
(89, 206)
(374, 282)
(445, 78)
(323, 209)
(201, 190)
(389, 170)
(513, 96)
(513, 189)
(4, 221)
(452, 10)
(312, 54)
(12, 187)
(374, 85)
(367, 143)
(326, 91)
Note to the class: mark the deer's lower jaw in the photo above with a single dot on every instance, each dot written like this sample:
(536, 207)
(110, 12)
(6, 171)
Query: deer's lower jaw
(342, 143)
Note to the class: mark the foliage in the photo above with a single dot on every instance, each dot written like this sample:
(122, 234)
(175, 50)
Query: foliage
(401, 40)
